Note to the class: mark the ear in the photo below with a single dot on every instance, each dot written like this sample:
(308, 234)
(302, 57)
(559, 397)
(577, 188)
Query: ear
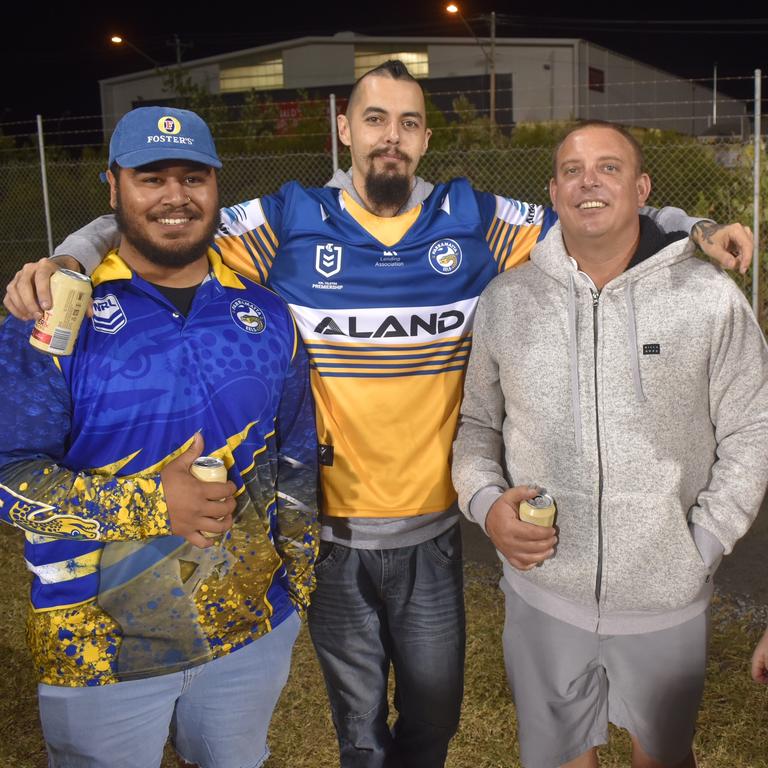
(427, 136)
(553, 193)
(112, 189)
(643, 189)
(344, 134)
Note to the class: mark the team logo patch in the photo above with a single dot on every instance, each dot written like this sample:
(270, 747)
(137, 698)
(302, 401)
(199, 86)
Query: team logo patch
(108, 315)
(444, 256)
(248, 316)
(169, 125)
(328, 259)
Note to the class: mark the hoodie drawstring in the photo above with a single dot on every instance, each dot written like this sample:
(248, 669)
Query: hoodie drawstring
(632, 333)
(573, 357)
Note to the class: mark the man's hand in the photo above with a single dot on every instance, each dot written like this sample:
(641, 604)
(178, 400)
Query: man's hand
(28, 295)
(730, 245)
(523, 544)
(194, 505)
(760, 661)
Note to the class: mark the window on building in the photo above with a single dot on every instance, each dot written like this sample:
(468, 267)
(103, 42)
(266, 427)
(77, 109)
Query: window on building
(367, 58)
(596, 80)
(263, 76)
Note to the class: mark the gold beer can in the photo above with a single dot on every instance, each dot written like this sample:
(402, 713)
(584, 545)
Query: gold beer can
(209, 469)
(539, 510)
(56, 331)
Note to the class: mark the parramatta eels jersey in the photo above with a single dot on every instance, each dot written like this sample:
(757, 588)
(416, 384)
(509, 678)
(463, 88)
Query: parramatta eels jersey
(385, 308)
(83, 439)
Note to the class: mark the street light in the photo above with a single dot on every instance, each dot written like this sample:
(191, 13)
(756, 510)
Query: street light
(120, 40)
(489, 57)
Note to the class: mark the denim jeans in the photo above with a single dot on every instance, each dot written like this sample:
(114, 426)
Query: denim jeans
(403, 607)
(217, 713)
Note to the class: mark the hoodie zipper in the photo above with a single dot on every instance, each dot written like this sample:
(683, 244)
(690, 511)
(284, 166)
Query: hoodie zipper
(599, 577)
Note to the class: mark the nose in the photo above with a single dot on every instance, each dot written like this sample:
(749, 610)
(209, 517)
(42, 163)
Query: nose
(590, 178)
(175, 193)
(393, 133)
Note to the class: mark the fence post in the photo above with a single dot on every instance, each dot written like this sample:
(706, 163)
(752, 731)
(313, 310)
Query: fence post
(334, 133)
(756, 200)
(46, 205)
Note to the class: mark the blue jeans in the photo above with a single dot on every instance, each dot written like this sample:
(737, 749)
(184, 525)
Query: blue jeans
(404, 607)
(218, 713)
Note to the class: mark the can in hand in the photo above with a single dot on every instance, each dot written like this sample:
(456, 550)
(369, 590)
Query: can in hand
(539, 510)
(209, 469)
(56, 331)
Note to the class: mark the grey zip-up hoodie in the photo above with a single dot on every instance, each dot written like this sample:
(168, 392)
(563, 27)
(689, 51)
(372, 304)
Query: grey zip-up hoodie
(643, 410)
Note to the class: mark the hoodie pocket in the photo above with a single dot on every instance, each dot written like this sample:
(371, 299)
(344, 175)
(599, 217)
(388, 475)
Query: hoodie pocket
(650, 561)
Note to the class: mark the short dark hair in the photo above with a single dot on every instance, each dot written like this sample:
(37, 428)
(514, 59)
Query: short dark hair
(620, 129)
(392, 68)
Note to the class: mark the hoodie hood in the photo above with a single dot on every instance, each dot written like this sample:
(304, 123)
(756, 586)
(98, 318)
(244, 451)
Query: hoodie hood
(343, 180)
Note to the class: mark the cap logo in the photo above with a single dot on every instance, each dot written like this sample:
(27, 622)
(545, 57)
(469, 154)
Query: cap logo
(169, 125)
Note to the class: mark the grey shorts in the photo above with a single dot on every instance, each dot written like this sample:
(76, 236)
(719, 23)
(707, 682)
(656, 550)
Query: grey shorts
(568, 683)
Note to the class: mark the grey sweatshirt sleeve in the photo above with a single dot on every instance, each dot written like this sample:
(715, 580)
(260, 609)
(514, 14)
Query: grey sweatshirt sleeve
(478, 471)
(738, 395)
(91, 243)
(671, 219)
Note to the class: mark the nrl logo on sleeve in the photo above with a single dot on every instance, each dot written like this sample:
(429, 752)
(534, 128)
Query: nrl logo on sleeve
(248, 316)
(328, 259)
(108, 315)
(444, 256)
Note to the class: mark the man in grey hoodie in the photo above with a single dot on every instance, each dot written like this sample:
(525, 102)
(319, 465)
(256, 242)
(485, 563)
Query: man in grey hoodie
(634, 389)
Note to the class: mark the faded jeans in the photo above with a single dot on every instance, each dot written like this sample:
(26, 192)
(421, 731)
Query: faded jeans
(403, 607)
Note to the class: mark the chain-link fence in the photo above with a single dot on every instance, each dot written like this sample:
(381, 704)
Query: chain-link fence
(709, 178)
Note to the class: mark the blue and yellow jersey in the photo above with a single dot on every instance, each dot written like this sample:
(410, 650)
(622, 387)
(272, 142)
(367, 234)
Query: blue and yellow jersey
(385, 308)
(83, 438)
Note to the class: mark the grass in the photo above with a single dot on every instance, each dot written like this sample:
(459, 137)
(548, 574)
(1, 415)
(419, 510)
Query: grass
(732, 723)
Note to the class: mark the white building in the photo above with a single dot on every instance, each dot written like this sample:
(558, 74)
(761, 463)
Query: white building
(537, 79)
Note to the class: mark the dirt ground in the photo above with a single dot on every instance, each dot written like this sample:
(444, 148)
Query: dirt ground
(743, 573)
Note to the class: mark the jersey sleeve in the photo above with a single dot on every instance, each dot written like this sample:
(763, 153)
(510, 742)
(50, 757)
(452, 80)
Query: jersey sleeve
(249, 235)
(512, 227)
(37, 493)
(297, 527)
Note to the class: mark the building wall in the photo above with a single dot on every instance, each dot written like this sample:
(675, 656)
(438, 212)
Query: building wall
(548, 80)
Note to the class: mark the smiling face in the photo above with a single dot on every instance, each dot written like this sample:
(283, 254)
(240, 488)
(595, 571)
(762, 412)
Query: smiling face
(598, 186)
(167, 212)
(386, 131)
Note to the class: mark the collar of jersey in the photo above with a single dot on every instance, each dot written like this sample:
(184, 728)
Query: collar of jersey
(114, 268)
(388, 230)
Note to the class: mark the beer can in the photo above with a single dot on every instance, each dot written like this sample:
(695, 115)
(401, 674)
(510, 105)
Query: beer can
(56, 331)
(539, 510)
(209, 469)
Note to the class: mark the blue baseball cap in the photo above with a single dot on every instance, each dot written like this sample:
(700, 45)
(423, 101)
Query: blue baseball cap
(148, 134)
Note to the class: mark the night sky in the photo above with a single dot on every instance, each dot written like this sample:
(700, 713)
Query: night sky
(54, 56)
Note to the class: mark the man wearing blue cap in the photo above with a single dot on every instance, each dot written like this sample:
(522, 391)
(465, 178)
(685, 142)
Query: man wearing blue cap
(161, 603)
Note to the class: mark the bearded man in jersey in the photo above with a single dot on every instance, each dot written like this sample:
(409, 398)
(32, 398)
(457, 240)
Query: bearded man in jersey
(382, 271)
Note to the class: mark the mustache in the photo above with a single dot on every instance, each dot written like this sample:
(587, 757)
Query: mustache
(389, 153)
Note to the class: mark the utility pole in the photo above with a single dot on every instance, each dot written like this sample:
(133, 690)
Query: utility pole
(179, 46)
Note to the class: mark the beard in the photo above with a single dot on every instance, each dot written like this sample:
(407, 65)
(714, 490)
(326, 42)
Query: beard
(387, 190)
(167, 254)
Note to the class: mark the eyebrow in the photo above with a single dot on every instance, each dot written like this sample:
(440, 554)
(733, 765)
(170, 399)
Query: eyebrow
(382, 111)
(601, 159)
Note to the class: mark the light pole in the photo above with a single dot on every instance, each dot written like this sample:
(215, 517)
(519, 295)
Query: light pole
(120, 40)
(489, 57)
